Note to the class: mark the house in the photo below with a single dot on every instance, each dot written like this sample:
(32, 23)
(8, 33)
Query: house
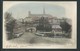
(56, 29)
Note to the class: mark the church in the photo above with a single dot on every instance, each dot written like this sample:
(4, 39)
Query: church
(54, 21)
(33, 17)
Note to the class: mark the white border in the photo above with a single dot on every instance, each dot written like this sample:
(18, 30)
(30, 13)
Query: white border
(71, 11)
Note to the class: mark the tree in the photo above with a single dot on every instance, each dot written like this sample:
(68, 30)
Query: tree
(10, 23)
(44, 25)
(65, 26)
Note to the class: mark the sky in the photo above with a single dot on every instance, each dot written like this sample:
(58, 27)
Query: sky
(21, 10)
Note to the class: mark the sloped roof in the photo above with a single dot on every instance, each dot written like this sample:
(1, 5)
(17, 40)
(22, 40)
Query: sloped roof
(56, 26)
(40, 15)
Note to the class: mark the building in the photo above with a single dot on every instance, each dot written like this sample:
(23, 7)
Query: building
(35, 17)
(56, 29)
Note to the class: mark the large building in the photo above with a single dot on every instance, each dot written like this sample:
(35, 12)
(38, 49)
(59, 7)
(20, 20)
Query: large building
(52, 20)
(33, 17)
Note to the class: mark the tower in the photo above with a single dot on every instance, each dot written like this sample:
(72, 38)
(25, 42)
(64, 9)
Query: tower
(29, 13)
(43, 10)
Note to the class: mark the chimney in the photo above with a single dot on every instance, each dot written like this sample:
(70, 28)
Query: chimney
(43, 10)
(29, 13)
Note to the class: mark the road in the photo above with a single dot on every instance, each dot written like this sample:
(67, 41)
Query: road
(31, 38)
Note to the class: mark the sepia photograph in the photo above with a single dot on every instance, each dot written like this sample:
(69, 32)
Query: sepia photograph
(39, 25)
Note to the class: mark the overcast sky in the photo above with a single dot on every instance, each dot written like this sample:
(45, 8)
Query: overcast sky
(21, 10)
